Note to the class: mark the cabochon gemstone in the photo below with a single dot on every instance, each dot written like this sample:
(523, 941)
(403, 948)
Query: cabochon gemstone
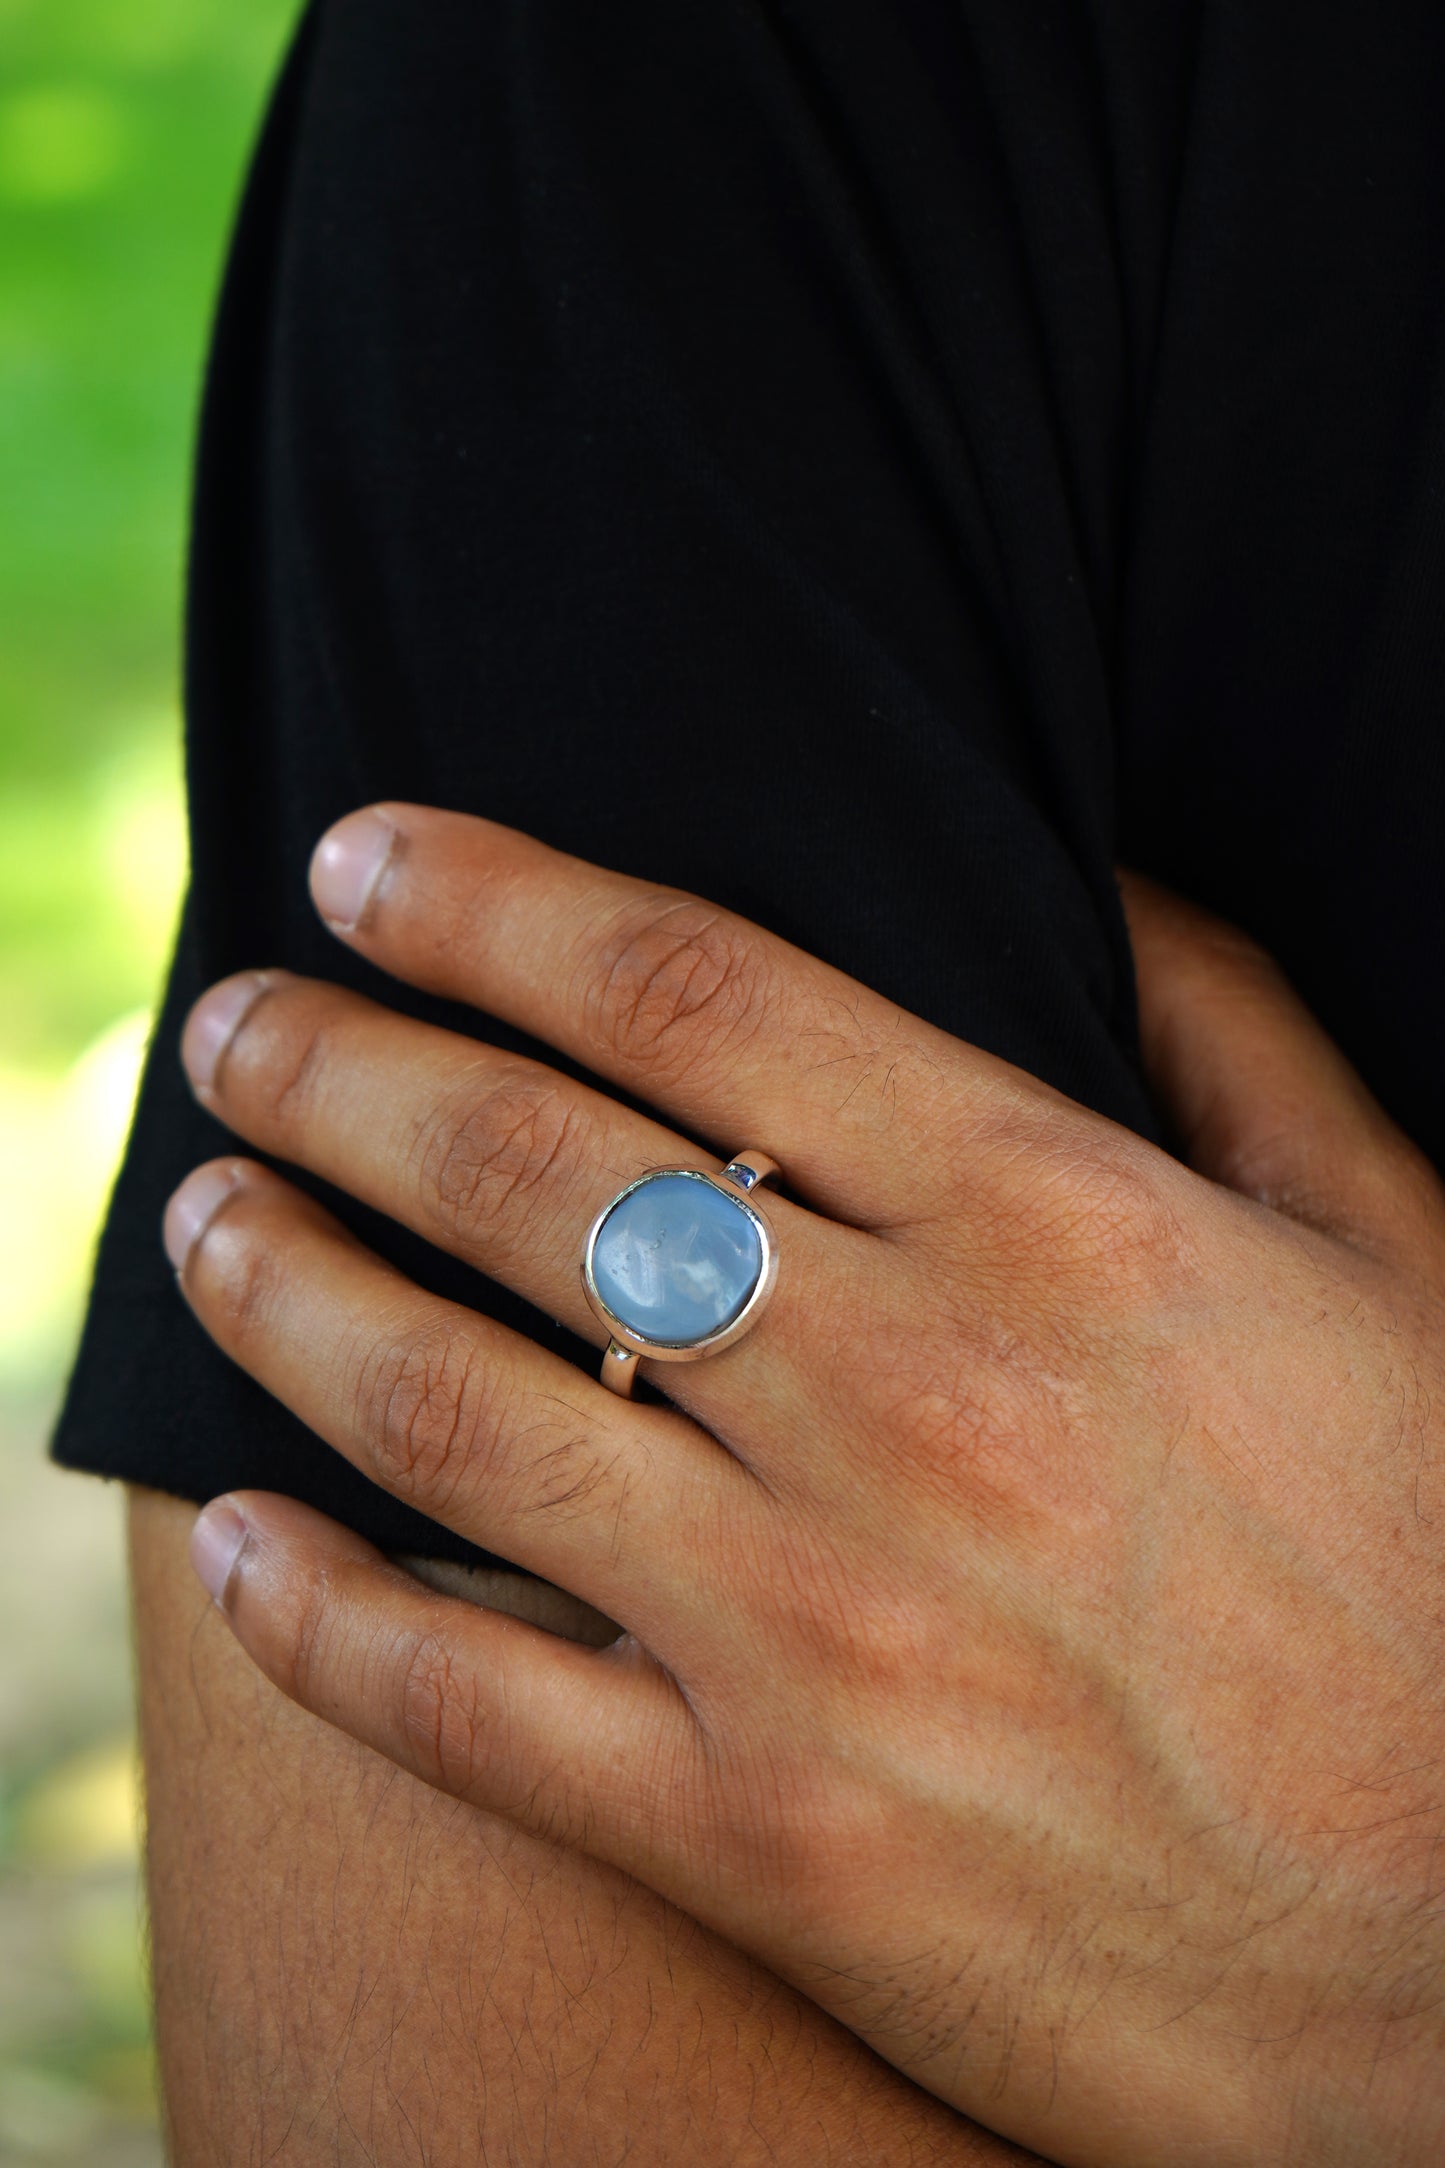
(676, 1259)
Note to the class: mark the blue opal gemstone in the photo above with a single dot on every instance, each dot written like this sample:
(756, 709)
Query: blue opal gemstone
(676, 1259)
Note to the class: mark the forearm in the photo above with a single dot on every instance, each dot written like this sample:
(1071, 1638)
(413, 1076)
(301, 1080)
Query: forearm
(350, 1966)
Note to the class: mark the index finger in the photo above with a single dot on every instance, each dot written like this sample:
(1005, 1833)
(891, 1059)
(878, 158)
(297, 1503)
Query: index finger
(731, 1030)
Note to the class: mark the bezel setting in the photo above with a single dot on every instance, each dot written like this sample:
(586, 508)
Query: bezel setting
(674, 1350)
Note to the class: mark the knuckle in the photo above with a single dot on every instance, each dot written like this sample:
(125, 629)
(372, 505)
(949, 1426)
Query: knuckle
(967, 1420)
(674, 980)
(307, 1656)
(483, 1156)
(242, 1279)
(1055, 1193)
(423, 1409)
(1111, 1216)
(441, 1715)
(284, 1064)
(1130, 1217)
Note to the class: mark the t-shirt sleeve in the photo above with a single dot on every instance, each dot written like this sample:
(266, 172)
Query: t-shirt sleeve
(640, 426)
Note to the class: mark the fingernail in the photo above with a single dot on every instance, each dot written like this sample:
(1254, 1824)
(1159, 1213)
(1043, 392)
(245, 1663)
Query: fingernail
(192, 1208)
(215, 1020)
(347, 866)
(217, 1541)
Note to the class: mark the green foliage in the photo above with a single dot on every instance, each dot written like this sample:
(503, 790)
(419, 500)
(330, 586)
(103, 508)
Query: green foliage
(123, 128)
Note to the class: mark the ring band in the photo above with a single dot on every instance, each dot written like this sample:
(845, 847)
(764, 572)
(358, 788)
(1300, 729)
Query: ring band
(680, 1264)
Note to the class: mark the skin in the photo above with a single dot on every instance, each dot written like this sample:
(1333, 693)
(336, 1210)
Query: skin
(351, 1968)
(1031, 1626)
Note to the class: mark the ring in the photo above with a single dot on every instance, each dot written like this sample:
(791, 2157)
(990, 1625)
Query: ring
(680, 1264)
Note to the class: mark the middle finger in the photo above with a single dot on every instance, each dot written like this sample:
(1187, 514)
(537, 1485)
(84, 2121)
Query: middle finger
(503, 1162)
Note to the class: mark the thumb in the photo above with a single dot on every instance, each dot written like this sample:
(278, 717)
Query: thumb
(1261, 1098)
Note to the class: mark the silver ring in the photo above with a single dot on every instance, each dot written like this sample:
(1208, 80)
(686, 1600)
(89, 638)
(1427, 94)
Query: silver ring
(680, 1264)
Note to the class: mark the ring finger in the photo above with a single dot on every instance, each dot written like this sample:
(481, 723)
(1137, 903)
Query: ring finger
(469, 1422)
(503, 1162)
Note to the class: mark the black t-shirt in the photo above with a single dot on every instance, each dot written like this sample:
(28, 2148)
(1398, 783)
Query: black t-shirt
(870, 462)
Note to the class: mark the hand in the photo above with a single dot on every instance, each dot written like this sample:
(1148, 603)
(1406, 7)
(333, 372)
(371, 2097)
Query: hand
(1032, 1626)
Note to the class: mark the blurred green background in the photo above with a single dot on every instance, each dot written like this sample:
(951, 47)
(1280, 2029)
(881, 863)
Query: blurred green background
(124, 125)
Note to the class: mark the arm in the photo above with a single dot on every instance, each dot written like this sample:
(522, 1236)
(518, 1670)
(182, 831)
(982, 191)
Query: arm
(351, 1967)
